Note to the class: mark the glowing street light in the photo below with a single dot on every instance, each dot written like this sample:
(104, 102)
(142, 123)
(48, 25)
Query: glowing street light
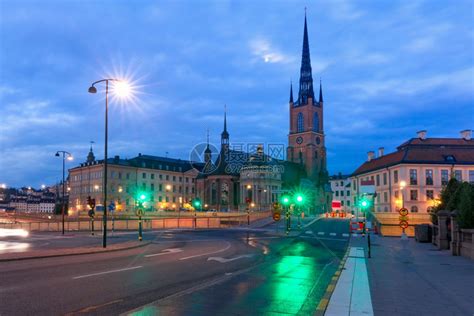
(122, 90)
(4, 186)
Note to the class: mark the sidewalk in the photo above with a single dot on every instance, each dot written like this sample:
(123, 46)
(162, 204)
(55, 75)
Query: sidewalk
(49, 253)
(409, 278)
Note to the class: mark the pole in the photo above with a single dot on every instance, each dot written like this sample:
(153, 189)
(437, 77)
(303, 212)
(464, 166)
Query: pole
(62, 207)
(368, 244)
(104, 217)
(140, 233)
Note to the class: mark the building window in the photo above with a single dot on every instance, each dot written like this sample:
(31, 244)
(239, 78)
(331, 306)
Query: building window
(413, 195)
(128, 176)
(429, 194)
(160, 187)
(337, 193)
(385, 179)
(348, 193)
(120, 175)
(413, 177)
(160, 176)
(354, 184)
(395, 176)
(395, 194)
(144, 175)
(348, 203)
(471, 176)
(127, 202)
(160, 198)
(414, 209)
(444, 177)
(167, 177)
(152, 176)
(316, 122)
(342, 193)
(458, 175)
(152, 187)
(377, 180)
(300, 124)
(429, 176)
(342, 203)
(385, 197)
(174, 178)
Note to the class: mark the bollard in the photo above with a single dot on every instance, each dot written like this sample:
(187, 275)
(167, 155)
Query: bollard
(368, 242)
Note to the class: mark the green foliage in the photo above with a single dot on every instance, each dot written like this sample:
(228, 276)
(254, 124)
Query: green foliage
(448, 196)
(465, 205)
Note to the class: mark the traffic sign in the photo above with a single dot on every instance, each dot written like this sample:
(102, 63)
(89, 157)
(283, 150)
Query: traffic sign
(403, 211)
(404, 224)
(139, 212)
(276, 216)
(112, 206)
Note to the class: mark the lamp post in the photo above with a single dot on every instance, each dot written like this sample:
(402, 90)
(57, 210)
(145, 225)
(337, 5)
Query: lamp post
(68, 156)
(402, 187)
(93, 89)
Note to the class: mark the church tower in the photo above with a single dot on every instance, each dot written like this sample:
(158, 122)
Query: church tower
(306, 137)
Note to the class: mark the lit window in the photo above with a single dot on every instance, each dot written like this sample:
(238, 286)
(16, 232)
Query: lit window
(413, 177)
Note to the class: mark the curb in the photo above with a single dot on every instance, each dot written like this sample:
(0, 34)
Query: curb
(74, 254)
(323, 304)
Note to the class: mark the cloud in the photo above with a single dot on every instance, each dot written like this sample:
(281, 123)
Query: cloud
(263, 49)
(344, 10)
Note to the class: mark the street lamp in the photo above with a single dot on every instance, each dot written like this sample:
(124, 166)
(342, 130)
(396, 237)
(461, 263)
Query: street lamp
(65, 155)
(122, 89)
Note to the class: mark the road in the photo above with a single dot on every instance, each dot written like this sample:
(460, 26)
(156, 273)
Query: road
(218, 272)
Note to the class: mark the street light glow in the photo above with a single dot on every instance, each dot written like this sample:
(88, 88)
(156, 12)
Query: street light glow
(122, 89)
(403, 184)
(70, 158)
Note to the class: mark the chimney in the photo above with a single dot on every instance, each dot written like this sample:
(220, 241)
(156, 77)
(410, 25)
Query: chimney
(381, 151)
(139, 154)
(466, 134)
(370, 155)
(422, 134)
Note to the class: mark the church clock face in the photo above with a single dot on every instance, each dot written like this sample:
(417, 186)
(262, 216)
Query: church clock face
(318, 140)
(299, 140)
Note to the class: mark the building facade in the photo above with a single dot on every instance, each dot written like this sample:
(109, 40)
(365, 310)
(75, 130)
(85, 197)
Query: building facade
(166, 183)
(415, 174)
(341, 191)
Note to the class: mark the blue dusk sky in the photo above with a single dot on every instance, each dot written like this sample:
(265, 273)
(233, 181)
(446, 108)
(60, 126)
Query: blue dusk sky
(389, 68)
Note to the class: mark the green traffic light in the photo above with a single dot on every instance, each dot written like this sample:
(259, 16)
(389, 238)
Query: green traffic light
(285, 200)
(197, 203)
(299, 198)
(142, 197)
(364, 203)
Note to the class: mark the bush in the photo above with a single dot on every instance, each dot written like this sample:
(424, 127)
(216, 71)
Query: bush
(465, 205)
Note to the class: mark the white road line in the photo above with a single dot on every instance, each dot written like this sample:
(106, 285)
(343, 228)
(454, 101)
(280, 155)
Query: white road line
(106, 272)
(166, 252)
(208, 253)
(332, 234)
(225, 260)
(325, 238)
(321, 233)
(345, 235)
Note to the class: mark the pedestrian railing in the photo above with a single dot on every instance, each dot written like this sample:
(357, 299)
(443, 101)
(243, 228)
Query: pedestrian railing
(149, 223)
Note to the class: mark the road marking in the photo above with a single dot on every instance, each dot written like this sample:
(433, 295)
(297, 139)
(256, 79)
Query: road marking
(106, 272)
(93, 307)
(166, 252)
(321, 233)
(208, 253)
(345, 235)
(224, 260)
(332, 234)
(326, 238)
(308, 232)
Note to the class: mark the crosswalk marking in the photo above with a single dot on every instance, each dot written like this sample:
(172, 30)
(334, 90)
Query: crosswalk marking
(320, 233)
(345, 235)
(332, 234)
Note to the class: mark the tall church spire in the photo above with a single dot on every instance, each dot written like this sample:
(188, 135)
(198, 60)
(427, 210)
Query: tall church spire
(291, 92)
(306, 78)
(225, 134)
(320, 91)
(90, 156)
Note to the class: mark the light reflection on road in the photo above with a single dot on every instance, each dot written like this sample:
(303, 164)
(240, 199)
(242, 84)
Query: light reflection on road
(8, 246)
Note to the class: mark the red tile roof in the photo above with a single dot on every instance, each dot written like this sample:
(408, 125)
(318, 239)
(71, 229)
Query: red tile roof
(428, 151)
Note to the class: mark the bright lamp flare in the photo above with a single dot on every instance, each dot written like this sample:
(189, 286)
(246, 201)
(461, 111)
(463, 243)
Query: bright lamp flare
(122, 89)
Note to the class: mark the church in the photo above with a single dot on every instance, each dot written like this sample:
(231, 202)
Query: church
(236, 176)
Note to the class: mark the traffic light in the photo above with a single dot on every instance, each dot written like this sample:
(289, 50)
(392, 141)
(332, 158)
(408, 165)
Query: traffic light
(299, 198)
(90, 202)
(197, 203)
(285, 200)
(141, 198)
(364, 203)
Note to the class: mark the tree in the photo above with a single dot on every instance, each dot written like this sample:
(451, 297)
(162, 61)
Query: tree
(465, 205)
(446, 196)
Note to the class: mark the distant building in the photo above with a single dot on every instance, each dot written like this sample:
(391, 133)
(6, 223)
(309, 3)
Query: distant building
(167, 183)
(341, 191)
(424, 164)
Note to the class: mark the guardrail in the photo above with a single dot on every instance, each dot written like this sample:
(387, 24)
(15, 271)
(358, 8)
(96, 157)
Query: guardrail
(149, 223)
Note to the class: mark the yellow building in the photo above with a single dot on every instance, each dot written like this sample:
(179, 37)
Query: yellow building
(167, 184)
(415, 174)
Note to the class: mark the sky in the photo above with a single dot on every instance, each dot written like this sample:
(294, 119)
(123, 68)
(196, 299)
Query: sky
(388, 69)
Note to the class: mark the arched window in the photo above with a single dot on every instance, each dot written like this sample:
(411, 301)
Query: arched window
(316, 122)
(300, 123)
(414, 209)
